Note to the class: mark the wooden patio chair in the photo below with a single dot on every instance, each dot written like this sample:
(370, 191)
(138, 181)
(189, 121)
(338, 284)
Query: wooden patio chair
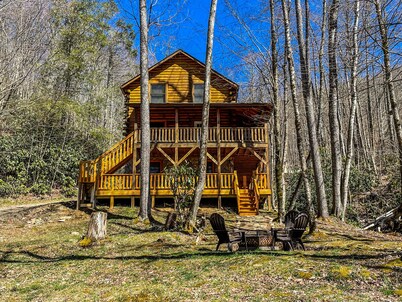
(291, 237)
(290, 218)
(233, 239)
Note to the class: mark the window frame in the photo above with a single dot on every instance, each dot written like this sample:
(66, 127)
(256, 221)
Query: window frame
(164, 93)
(202, 95)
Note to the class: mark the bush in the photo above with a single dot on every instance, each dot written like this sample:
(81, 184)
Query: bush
(40, 189)
(11, 188)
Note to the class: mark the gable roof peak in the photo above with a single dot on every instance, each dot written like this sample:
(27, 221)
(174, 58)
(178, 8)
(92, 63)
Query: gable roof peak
(175, 53)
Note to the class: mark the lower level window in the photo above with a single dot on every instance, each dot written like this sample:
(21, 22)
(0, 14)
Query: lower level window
(155, 167)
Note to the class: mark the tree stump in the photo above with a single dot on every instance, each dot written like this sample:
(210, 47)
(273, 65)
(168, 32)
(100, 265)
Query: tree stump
(97, 226)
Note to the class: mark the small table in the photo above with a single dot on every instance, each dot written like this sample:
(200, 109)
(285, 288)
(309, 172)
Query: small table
(253, 239)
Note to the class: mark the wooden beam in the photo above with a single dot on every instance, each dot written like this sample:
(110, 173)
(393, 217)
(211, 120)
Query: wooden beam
(186, 155)
(139, 160)
(229, 155)
(211, 158)
(258, 156)
(166, 155)
(111, 206)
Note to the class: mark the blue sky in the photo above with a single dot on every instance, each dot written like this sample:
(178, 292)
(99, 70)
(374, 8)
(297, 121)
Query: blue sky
(184, 24)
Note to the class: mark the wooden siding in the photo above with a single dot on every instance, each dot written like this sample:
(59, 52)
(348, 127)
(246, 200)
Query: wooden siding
(179, 74)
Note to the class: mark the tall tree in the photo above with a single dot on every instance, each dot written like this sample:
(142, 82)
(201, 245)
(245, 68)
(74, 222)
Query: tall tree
(145, 202)
(353, 97)
(202, 163)
(296, 106)
(334, 108)
(276, 131)
(308, 102)
(389, 80)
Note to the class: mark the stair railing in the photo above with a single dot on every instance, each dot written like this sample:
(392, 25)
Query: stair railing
(236, 188)
(256, 191)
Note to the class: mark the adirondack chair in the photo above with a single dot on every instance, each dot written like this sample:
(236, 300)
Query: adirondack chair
(290, 218)
(233, 239)
(291, 237)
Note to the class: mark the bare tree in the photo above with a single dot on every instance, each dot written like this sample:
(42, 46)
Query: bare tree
(353, 96)
(145, 202)
(389, 80)
(333, 108)
(296, 109)
(276, 129)
(205, 116)
(311, 123)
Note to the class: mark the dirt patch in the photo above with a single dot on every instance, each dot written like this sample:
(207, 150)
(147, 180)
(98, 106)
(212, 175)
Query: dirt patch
(39, 214)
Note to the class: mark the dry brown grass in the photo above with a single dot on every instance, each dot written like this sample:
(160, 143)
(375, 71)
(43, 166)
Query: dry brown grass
(41, 260)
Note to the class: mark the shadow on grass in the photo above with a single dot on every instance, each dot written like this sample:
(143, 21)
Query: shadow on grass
(202, 252)
(136, 229)
(39, 258)
(114, 216)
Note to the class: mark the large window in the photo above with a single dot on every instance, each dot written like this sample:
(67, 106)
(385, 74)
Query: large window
(198, 93)
(158, 93)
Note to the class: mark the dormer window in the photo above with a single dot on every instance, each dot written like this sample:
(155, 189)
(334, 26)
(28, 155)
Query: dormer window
(158, 93)
(198, 93)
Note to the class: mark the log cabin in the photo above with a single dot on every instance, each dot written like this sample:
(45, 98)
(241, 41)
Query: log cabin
(238, 164)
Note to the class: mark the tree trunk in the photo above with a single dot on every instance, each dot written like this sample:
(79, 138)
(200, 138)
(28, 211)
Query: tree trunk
(353, 96)
(298, 125)
(97, 226)
(311, 123)
(276, 129)
(145, 201)
(321, 72)
(333, 109)
(389, 82)
(205, 116)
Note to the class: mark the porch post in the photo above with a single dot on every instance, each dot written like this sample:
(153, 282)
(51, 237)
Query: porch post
(218, 139)
(111, 206)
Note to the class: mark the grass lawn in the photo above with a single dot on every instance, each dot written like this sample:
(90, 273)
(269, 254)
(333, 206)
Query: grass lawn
(40, 260)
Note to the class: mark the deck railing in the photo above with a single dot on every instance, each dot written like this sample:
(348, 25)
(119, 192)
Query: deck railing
(117, 153)
(261, 181)
(87, 171)
(193, 135)
(112, 159)
(236, 188)
(158, 181)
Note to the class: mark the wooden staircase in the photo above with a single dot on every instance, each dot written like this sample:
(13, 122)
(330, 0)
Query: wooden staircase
(247, 200)
(247, 205)
(107, 163)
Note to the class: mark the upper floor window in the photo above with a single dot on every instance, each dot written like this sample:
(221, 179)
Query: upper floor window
(158, 93)
(198, 93)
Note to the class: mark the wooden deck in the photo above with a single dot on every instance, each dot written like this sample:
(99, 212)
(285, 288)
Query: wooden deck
(120, 185)
(176, 145)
